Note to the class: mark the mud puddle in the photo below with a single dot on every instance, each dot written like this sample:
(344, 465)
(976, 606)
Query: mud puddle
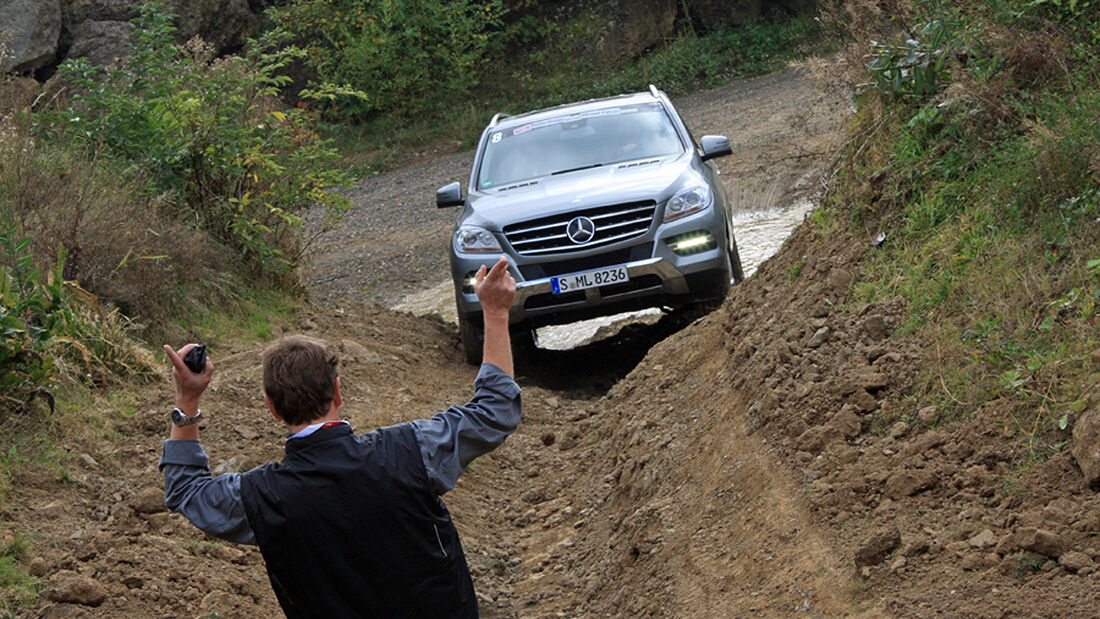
(759, 234)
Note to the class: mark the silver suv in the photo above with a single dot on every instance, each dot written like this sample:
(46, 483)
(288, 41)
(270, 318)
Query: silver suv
(602, 206)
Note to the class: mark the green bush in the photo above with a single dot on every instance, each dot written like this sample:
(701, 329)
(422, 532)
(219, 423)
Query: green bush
(412, 57)
(44, 332)
(208, 133)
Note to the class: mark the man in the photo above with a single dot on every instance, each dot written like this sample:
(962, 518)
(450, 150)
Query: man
(350, 525)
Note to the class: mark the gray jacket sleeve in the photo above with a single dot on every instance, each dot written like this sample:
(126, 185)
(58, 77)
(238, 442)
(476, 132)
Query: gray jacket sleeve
(452, 439)
(213, 504)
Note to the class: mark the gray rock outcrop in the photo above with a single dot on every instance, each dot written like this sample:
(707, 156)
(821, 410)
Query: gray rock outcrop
(29, 34)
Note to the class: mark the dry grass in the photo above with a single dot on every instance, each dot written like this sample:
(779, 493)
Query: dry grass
(123, 247)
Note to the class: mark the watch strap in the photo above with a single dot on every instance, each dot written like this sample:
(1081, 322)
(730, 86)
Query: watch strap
(181, 418)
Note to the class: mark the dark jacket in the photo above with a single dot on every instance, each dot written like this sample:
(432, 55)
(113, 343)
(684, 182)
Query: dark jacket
(349, 526)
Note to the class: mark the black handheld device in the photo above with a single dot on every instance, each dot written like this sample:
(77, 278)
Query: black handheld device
(195, 360)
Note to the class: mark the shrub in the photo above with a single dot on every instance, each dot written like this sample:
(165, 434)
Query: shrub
(412, 57)
(207, 132)
(44, 331)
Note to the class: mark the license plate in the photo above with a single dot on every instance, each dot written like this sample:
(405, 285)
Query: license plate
(589, 279)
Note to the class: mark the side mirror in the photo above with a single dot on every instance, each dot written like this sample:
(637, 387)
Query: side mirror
(448, 195)
(715, 146)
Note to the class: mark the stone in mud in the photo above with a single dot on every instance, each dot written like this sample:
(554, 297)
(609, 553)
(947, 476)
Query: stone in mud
(1085, 446)
(984, 539)
(817, 438)
(548, 438)
(819, 337)
(862, 401)
(899, 430)
(908, 482)
(839, 279)
(1075, 561)
(928, 414)
(877, 547)
(149, 501)
(875, 327)
(68, 586)
(846, 423)
(1040, 541)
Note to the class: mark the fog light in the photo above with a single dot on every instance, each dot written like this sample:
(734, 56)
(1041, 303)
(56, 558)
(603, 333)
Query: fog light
(691, 243)
(468, 282)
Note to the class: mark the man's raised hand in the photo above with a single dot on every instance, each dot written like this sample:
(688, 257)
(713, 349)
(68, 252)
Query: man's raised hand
(189, 385)
(495, 288)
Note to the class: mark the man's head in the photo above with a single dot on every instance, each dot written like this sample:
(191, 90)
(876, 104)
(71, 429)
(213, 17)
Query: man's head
(299, 379)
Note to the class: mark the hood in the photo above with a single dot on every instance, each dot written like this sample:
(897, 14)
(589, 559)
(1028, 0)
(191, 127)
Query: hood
(629, 181)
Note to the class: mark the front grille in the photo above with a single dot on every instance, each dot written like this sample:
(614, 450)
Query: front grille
(586, 263)
(614, 223)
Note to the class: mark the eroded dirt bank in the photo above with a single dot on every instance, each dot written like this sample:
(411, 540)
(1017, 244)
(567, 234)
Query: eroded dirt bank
(747, 463)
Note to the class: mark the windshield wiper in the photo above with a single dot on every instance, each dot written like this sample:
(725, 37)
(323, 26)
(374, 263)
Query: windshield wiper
(583, 167)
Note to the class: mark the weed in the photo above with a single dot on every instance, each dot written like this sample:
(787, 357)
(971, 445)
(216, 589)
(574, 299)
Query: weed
(17, 587)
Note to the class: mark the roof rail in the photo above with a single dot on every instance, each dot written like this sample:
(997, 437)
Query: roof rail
(497, 118)
(653, 90)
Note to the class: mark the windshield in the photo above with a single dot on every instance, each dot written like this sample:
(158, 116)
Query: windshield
(577, 141)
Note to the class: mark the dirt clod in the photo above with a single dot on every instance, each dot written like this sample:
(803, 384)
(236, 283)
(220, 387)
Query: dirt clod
(875, 548)
(69, 586)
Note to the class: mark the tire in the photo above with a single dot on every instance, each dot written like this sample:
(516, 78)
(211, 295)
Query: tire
(733, 259)
(469, 332)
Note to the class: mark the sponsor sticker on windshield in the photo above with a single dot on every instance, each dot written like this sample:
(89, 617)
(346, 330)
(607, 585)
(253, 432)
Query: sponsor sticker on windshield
(496, 137)
(523, 129)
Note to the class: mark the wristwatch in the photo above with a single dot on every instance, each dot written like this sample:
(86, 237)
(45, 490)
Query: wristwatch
(180, 418)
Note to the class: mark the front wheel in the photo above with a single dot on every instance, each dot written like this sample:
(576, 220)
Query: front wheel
(733, 259)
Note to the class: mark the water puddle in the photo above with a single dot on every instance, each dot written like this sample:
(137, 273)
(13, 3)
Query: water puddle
(759, 235)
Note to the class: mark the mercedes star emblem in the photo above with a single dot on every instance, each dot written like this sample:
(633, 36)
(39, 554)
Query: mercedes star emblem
(580, 230)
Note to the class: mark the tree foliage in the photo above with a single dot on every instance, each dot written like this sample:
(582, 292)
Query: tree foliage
(410, 56)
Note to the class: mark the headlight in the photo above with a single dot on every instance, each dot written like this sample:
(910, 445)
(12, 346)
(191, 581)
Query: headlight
(475, 240)
(690, 200)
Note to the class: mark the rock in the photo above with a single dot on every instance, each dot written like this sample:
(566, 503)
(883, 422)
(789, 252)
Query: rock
(839, 279)
(553, 403)
(548, 438)
(133, 582)
(875, 327)
(1076, 561)
(246, 432)
(38, 567)
(908, 482)
(1040, 541)
(34, 29)
(1085, 445)
(846, 423)
(819, 337)
(68, 586)
(149, 501)
(87, 461)
(871, 381)
(928, 414)
(862, 401)
(628, 28)
(876, 548)
(736, 13)
(817, 438)
(915, 547)
(982, 540)
(899, 430)
(78, 11)
(103, 43)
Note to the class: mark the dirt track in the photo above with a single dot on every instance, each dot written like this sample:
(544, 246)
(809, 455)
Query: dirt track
(747, 463)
